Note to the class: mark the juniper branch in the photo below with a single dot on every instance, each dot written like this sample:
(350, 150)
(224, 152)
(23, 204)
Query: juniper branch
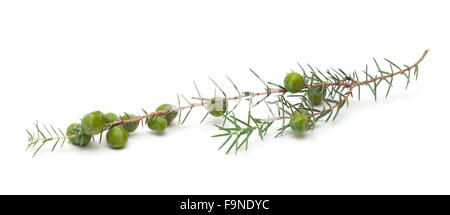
(337, 84)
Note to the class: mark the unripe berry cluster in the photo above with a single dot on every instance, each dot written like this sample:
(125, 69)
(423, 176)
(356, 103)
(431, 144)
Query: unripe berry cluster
(294, 83)
(93, 123)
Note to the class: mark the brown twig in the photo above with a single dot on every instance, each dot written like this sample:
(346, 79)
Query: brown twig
(278, 90)
(355, 84)
(166, 111)
(358, 83)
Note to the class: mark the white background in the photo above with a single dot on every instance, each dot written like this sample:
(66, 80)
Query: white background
(62, 59)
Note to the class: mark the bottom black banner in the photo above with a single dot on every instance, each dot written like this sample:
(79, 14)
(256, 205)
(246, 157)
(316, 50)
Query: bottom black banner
(232, 205)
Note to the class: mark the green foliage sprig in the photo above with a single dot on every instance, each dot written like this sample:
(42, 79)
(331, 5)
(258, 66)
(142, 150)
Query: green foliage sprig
(303, 100)
(40, 137)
